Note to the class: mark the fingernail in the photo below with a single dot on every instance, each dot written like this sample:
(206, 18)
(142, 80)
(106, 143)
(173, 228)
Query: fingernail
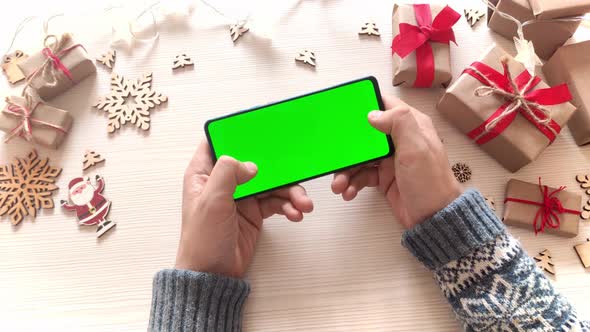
(251, 166)
(375, 114)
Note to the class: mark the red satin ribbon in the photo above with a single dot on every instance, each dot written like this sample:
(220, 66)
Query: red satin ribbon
(549, 211)
(547, 97)
(25, 129)
(416, 38)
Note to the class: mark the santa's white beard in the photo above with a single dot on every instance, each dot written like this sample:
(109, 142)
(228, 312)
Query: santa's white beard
(84, 197)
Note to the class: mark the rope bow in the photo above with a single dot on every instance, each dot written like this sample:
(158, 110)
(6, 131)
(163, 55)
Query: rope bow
(550, 208)
(24, 114)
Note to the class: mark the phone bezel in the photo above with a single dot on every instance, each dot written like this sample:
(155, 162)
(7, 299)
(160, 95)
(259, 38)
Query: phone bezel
(381, 107)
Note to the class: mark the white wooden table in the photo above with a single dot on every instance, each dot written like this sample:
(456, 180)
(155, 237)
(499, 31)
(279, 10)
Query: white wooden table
(343, 268)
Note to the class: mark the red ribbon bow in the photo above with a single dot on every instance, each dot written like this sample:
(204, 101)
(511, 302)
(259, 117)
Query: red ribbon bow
(24, 128)
(56, 61)
(530, 102)
(416, 38)
(549, 211)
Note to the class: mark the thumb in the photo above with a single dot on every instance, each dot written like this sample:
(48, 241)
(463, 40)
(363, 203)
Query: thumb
(227, 174)
(398, 122)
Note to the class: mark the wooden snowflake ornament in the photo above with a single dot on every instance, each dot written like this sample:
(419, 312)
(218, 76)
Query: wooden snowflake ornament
(130, 101)
(91, 158)
(10, 68)
(545, 262)
(307, 57)
(473, 16)
(237, 30)
(26, 186)
(108, 59)
(182, 60)
(462, 172)
(370, 29)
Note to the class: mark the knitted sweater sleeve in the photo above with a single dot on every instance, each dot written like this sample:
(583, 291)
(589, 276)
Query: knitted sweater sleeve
(486, 276)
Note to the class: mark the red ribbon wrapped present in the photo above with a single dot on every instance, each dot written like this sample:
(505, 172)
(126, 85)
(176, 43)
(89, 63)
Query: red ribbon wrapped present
(417, 38)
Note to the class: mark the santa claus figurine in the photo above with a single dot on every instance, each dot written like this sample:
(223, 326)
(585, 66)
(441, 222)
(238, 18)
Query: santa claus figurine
(90, 205)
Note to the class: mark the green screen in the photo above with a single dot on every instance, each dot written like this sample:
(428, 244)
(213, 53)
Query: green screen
(302, 138)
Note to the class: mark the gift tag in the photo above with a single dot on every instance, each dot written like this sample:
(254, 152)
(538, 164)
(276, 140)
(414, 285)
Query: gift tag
(307, 57)
(583, 251)
(545, 262)
(90, 205)
(182, 60)
(10, 68)
(26, 186)
(91, 158)
(370, 29)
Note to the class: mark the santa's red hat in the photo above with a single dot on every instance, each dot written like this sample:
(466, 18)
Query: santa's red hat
(75, 183)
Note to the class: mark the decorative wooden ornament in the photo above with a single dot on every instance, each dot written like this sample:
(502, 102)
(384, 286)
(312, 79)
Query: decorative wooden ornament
(473, 16)
(27, 186)
(370, 29)
(307, 57)
(182, 60)
(585, 214)
(490, 202)
(10, 68)
(130, 101)
(583, 251)
(545, 262)
(237, 30)
(584, 181)
(90, 205)
(108, 59)
(91, 158)
(462, 172)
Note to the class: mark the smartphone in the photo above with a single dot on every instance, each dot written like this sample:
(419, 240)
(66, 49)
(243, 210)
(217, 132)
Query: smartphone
(304, 137)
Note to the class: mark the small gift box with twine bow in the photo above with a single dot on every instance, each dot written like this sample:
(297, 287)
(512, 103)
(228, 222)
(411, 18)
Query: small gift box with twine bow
(541, 208)
(34, 121)
(421, 45)
(57, 67)
(510, 114)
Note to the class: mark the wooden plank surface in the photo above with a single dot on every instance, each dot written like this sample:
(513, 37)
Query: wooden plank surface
(343, 268)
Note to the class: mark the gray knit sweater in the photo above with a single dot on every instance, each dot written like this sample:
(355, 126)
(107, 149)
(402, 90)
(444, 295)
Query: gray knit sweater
(490, 282)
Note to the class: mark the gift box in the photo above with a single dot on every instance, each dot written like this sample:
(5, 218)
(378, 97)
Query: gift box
(513, 127)
(571, 65)
(541, 208)
(421, 46)
(34, 121)
(547, 36)
(57, 67)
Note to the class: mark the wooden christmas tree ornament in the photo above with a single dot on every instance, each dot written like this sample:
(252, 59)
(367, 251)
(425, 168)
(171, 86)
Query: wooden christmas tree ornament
(108, 59)
(473, 16)
(91, 158)
(307, 57)
(10, 68)
(90, 205)
(462, 172)
(182, 60)
(130, 101)
(370, 29)
(545, 262)
(237, 30)
(26, 186)
(583, 251)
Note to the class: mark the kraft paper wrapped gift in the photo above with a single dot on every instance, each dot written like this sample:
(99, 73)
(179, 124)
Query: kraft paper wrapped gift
(571, 65)
(50, 79)
(530, 202)
(547, 36)
(49, 125)
(405, 69)
(521, 141)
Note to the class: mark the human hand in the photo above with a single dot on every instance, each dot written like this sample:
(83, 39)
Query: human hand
(417, 181)
(218, 234)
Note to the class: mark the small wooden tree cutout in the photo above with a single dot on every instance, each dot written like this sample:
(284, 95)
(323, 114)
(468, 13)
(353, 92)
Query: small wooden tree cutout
(583, 251)
(462, 172)
(544, 262)
(26, 186)
(182, 60)
(91, 158)
(370, 29)
(473, 16)
(108, 59)
(307, 57)
(237, 30)
(10, 68)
